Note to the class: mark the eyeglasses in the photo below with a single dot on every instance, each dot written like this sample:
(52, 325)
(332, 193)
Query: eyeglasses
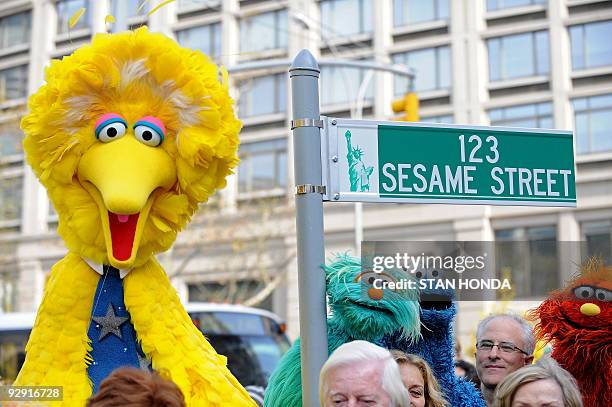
(505, 347)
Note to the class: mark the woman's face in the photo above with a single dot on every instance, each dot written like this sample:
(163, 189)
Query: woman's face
(539, 393)
(413, 380)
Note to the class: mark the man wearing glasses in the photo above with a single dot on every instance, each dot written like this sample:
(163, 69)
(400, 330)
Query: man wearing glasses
(504, 343)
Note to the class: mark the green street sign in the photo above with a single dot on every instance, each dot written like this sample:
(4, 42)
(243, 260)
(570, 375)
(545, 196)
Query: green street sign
(370, 161)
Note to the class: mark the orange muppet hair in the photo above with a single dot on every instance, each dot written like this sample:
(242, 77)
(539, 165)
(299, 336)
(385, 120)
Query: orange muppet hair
(129, 387)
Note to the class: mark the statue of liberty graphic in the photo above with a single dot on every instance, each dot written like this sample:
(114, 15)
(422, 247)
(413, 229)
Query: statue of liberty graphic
(359, 174)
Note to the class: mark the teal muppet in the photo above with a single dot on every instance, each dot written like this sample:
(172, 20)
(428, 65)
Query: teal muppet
(358, 311)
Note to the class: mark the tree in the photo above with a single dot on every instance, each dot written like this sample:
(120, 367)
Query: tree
(238, 257)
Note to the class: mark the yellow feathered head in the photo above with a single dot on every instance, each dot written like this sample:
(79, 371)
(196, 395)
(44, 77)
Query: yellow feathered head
(128, 135)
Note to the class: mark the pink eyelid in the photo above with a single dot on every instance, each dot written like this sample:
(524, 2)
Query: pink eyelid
(106, 117)
(155, 121)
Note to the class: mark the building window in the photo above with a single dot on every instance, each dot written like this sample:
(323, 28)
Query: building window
(591, 45)
(493, 5)
(529, 258)
(431, 66)
(592, 118)
(10, 139)
(66, 9)
(263, 166)
(406, 12)
(15, 29)
(340, 18)
(262, 95)
(537, 115)
(13, 83)
(11, 191)
(446, 119)
(598, 240)
(9, 285)
(341, 85)
(134, 8)
(264, 32)
(187, 4)
(206, 38)
(519, 55)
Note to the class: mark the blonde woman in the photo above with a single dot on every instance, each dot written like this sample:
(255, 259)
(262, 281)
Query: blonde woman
(544, 383)
(419, 380)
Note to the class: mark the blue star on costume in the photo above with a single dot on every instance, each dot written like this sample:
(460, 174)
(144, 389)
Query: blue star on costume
(111, 332)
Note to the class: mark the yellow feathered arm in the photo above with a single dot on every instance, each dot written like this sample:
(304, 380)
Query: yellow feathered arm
(162, 323)
(58, 345)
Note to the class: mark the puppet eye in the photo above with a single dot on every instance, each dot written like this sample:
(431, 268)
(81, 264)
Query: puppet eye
(369, 277)
(109, 127)
(603, 295)
(584, 292)
(150, 130)
(111, 130)
(148, 134)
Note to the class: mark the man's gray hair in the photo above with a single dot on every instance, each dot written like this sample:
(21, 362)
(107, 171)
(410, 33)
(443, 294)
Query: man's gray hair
(526, 329)
(543, 369)
(362, 351)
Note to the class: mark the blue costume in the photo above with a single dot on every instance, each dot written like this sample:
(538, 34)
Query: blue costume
(112, 335)
(437, 348)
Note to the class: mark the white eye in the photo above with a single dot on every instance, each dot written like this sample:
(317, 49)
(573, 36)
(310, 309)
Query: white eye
(603, 295)
(111, 131)
(148, 135)
(584, 292)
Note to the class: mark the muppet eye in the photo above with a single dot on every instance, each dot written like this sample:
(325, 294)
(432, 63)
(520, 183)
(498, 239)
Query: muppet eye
(148, 134)
(369, 277)
(584, 292)
(112, 131)
(603, 295)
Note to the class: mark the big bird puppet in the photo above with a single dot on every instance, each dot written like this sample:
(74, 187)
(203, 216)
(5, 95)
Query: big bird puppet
(578, 321)
(128, 134)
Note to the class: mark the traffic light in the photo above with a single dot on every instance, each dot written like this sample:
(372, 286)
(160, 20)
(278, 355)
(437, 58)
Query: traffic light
(409, 105)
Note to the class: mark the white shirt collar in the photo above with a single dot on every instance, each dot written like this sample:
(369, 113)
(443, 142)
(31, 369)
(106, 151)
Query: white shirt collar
(99, 268)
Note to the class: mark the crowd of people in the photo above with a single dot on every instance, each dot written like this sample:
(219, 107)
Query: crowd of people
(362, 373)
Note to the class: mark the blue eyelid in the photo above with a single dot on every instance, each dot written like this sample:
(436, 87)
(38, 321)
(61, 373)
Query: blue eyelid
(151, 125)
(107, 122)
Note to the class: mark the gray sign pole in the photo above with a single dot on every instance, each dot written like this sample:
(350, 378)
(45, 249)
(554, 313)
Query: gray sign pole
(304, 73)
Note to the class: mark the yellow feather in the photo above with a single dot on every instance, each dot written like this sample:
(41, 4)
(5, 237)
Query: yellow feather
(74, 19)
(159, 6)
(182, 352)
(52, 340)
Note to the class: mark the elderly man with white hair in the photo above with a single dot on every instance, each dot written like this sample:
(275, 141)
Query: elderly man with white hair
(360, 373)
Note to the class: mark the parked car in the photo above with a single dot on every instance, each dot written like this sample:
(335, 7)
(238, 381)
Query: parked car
(253, 340)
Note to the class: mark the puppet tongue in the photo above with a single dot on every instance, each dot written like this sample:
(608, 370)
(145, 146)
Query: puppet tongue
(123, 230)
